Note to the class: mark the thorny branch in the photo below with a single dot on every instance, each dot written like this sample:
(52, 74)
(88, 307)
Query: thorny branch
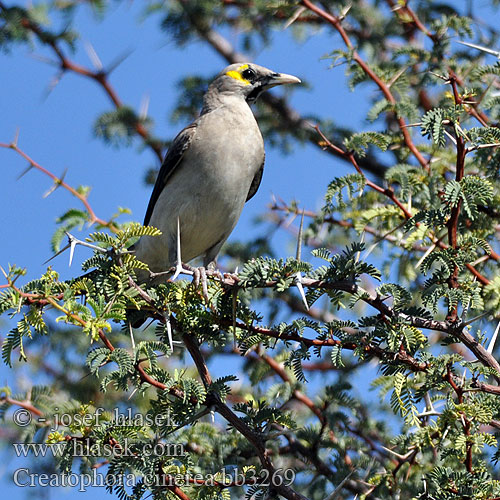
(60, 182)
(221, 408)
(405, 12)
(337, 24)
(456, 329)
(389, 193)
(99, 76)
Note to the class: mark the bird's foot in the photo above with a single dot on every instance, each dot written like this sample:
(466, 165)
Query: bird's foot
(200, 276)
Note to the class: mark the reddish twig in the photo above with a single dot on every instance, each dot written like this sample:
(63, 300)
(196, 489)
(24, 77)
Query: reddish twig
(27, 405)
(298, 395)
(466, 423)
(350, 156)
(253, 437)
(60, 182)
(98, 76)
(336, 23)
(455, 210)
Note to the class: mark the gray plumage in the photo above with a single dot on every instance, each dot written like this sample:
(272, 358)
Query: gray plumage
(212, 168)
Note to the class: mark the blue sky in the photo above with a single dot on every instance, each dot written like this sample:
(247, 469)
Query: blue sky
(56, 131)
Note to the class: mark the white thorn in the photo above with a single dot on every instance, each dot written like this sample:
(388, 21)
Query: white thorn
(294, 17)
(94, 58)
(452, 139)
(300, 288)
(370, 249)
(16, 137)
(462, 382)
(482, 315)
(72, 242)
(299, 237)
(132, 340)
(463, 420)
(401, 457)
(179, 240)
(143, 112)
(480, 47)
(429, 250)
(491, 345)
(58, 253)
(71, 252)
(428, 403)
(345, 11)
(335, 493)
(445, 433)
(178, 266)
(178, 270)
(169, 334)
(361, 240)
(133, 392)
(50, 190)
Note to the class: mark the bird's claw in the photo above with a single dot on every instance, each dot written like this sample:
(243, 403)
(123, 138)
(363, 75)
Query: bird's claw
(196, 277)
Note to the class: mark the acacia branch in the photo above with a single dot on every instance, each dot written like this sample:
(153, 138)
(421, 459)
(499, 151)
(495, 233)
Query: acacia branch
(455, 210)
(233, 281)
(253, 437)
(27, 405)
(404, 9)
(336, 23)
(349, 156)
(329, 219)
(60, 182)
(407, 214)
(99, 76)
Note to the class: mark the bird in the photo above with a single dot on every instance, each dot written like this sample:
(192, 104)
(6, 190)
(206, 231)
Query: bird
(212, 168)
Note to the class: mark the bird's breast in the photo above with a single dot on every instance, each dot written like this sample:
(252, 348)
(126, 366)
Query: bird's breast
(228, 149)
(209, 187)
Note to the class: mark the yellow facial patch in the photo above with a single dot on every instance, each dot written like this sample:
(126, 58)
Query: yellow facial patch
(237, 74)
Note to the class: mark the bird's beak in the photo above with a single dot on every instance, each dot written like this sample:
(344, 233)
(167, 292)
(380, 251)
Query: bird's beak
(281, 79)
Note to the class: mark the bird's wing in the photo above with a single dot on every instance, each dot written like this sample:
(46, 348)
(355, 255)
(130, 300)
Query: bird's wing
(256, 182)
(171, 161)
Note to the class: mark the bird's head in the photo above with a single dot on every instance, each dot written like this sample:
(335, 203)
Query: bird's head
(249, 80)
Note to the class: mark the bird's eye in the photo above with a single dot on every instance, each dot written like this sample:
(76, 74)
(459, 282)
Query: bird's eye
(248, 74)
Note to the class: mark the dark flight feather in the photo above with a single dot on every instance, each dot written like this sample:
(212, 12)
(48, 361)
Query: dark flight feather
(172, 160)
